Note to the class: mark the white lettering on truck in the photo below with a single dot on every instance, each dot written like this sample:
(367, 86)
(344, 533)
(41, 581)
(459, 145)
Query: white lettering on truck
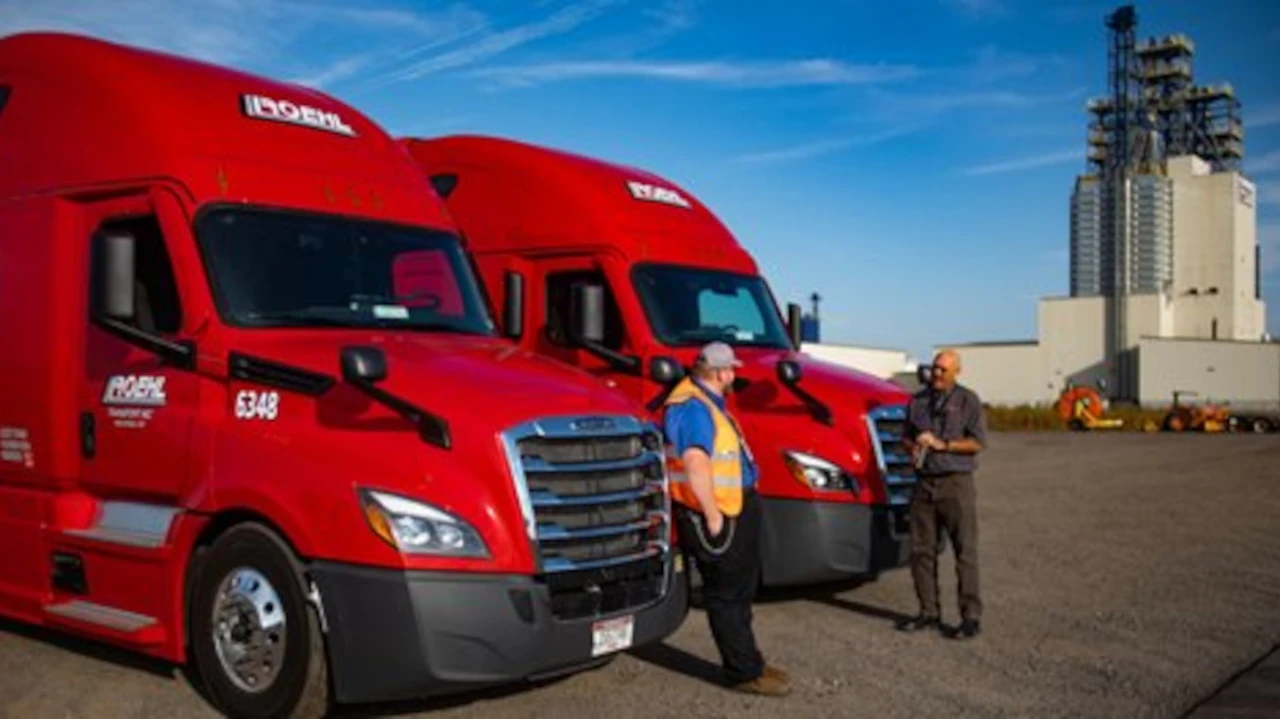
(653, 193)
(134, 391)
(261, 107)
(257, 405)
(15, 447)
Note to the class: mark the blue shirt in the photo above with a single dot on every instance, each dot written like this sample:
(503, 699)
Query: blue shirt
(689, 424)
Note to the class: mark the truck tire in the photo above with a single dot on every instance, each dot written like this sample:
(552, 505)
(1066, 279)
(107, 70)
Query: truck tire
(255, 640)
(1260, 425)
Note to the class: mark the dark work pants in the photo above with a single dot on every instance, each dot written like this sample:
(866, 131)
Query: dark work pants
(730, 569)
(948, 502)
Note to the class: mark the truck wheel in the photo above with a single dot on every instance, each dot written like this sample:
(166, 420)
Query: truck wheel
(1261, 426)
(254, 638)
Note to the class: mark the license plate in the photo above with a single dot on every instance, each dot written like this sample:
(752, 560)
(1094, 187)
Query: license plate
(612, 635)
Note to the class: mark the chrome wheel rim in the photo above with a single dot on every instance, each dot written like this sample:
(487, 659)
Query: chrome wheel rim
(249, 630)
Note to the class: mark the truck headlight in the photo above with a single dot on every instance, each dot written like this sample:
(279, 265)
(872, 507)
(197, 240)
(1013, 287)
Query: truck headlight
(414, 527)
(817, 473)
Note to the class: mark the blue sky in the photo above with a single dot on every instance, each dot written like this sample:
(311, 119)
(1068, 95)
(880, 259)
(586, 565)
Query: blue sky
(911, 161)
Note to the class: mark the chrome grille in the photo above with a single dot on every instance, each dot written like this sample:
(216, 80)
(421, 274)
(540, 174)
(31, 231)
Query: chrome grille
(886, 425)
(594, 495)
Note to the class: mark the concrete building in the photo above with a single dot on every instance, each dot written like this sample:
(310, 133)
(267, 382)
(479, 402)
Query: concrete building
(1204, 331)
(883, 363)
(1165, 266)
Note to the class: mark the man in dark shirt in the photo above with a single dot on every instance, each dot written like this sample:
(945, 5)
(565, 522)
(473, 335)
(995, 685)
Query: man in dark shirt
(945, 430)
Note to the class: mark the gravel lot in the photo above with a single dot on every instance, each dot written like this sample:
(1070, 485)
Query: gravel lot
(1123, 575)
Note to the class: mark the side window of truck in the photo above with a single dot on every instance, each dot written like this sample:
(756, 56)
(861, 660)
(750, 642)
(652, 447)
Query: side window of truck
(158, 309)
(559, 307)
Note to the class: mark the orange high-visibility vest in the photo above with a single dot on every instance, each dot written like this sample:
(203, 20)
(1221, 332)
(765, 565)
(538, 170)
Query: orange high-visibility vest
(726, 456)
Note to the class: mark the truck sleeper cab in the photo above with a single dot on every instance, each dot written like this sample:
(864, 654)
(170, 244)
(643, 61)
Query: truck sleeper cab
(256, 416)
(559, 237)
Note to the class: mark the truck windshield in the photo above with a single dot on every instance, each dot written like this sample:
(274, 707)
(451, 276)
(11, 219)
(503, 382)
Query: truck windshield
(274, 268)
(693, 306)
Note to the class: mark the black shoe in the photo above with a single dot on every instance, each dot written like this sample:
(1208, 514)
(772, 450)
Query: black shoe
(968, 629)
(915, 624)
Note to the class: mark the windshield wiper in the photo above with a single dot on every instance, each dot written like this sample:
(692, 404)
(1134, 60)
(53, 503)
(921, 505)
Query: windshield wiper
(393, 299)
(303, 318)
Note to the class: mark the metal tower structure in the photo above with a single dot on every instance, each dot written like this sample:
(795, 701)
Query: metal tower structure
(1153, 110)
(1117, 168)
(1167, 114)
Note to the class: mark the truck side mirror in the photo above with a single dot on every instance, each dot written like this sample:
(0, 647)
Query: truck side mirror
(513, 306)
(665, 370)
(924, 373)
(115, 271)
(363, 365)
(789, 372)
(795, 324)
(588, 313)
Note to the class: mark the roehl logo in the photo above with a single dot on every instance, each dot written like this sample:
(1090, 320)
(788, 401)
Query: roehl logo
(135, 391)
(654, 193)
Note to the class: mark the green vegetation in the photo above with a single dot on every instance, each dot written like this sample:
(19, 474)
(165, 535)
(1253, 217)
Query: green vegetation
(1035, 418)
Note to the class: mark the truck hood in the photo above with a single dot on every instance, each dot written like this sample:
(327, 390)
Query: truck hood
(840, 387)
(831, 383)
(461, 378)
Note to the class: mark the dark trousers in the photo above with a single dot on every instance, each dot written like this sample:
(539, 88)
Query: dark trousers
(949, 502)
(730, 569)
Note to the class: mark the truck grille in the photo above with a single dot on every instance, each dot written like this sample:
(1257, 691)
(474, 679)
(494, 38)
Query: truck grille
(886, 425)
(594, 495)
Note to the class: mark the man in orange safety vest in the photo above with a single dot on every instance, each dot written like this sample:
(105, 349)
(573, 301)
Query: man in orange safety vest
(718, 514)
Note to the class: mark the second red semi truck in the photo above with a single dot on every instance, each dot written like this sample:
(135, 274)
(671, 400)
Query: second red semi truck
(255, 414)
(626, 275)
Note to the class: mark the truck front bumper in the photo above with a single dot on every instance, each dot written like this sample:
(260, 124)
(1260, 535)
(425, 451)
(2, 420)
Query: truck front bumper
(809, 542)
(396, 635)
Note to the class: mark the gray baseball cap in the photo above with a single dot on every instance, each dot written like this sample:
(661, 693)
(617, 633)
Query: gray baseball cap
(718, 355)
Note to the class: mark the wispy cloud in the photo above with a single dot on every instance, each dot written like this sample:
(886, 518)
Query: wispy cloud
(978, 8)
(261, 34)
(1266, 116)
(1268, 194)
(201, 31)
(784, 73)
(820, 148)
(892, 105)
(433, 24)
(674, 15)
(992, 64)
(1025, 163)
(1263, 164)
(340, 69)
(492, 44)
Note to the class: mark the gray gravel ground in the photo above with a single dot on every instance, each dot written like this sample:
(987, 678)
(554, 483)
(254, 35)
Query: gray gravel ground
(1123, 576)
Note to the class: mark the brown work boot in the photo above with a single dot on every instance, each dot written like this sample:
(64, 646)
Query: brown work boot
(777, 673)
(765, 685)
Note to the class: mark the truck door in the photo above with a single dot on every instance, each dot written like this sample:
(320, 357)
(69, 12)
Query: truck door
(137, 405)
(559, 277)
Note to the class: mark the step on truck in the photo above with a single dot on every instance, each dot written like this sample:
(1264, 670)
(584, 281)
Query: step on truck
(256, 416)
(566, 243)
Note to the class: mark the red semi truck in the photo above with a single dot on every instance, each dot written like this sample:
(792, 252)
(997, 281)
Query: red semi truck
(566, 243)
(256, 415)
